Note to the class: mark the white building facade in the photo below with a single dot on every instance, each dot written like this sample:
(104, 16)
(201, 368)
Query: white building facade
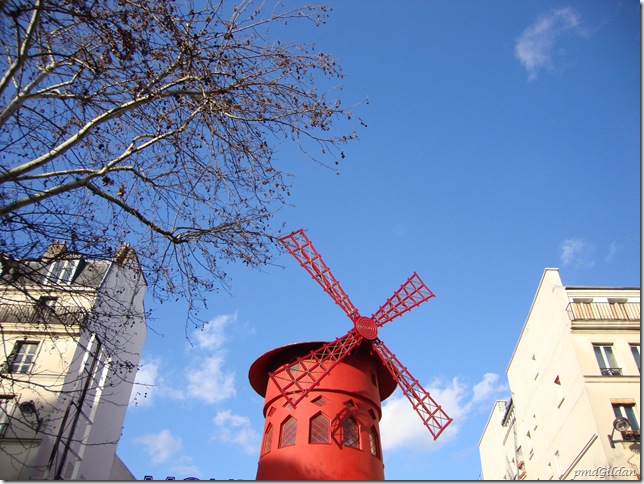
(71, 335)
(574, 378)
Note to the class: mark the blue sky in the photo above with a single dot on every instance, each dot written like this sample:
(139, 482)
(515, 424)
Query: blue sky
(503, 138)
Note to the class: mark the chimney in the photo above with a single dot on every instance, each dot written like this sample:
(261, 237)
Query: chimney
(124, 253)
(55, 250)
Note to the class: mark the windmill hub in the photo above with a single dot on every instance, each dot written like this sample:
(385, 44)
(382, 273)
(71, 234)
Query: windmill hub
(366, 327)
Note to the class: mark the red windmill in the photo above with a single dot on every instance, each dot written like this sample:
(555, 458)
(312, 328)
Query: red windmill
(295, 372)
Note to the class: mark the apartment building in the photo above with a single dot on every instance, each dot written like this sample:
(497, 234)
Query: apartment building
(574, 379)
(71, 334)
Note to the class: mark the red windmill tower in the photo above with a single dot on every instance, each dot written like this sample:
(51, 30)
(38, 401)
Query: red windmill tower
(322, 400)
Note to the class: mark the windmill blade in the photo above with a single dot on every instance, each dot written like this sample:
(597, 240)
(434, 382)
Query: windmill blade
(433, 416)
(299, 245)
(295, 380)
(411, 294)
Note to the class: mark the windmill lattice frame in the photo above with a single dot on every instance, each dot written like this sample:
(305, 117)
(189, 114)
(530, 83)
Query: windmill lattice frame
(295, 380)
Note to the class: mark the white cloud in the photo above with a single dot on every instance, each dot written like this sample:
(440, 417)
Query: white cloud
(212, 335)
(487, 388)
(149, 384)
(159, 447)
(205, 377)
(612, 251)
(401, 427)
(576, 253)
(535, 47)
(210, 382)
(237, 430)
(145, 383)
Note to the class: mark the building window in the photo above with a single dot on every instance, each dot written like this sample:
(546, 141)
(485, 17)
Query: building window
(6, 407)
(606, 360)
(529, 445)
(534, 421)
(374, 445)
(520, 463)
(22, 358)
(268, 439)
(319, 401)
(535, 367)
(627, 410)
(350, 433)
(559, 394)
(558, 464)
(635, 350)
(288, 432)
(519, 453)
(319, 430)
(62, 272)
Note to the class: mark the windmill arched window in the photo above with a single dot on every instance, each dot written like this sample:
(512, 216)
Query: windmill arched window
(374, 444)
(319, 429)
(288, 432)
(268, 439)
(320, 401)
(350, 433)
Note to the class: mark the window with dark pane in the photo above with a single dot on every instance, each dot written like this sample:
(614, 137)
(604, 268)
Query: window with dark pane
(319, 430)
(606, 360)
(320, 401)
(268, 439)
(350, 433)
(287, 435)
(627, 410)
(6, 405)
(23, 356)
(635, 350)
(373, 442)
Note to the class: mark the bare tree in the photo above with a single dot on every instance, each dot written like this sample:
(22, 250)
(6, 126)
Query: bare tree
(145, 125)
(155, 123)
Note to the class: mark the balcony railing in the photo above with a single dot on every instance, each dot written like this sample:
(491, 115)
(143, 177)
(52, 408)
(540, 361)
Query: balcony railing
(604, 311)
(26, 313)
(611, 371)
(631, 435)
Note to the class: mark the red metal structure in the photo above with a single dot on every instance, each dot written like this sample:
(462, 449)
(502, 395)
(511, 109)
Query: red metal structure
(332, 435)
(299, 375)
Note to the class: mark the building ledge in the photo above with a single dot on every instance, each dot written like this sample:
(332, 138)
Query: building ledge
(612, 379)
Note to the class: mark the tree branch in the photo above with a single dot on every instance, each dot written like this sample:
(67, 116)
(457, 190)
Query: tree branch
(24, 48)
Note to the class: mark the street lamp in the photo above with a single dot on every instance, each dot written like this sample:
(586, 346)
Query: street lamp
(622, 425)
(28, 409)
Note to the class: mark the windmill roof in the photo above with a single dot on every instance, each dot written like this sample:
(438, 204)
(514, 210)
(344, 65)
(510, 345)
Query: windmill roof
(273, 359)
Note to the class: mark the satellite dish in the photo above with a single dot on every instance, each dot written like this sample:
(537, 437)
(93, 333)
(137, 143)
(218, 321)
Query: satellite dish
(621, 424)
